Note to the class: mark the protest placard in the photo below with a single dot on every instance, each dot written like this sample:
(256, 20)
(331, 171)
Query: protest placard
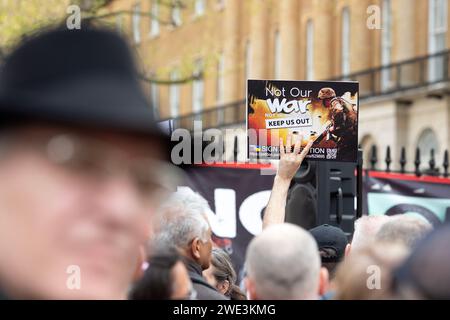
(323, 111)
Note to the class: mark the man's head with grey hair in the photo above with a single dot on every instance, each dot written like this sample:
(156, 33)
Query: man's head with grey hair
(183, 223)
(405, 228)
(283, 263)
(366, 229)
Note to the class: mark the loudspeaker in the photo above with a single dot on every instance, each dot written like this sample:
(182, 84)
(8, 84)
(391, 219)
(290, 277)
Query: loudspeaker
(326, 192)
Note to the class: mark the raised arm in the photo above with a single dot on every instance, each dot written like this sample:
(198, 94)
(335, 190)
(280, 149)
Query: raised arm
(289, 164)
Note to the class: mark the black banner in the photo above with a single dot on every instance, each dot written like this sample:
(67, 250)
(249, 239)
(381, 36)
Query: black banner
(238, 194)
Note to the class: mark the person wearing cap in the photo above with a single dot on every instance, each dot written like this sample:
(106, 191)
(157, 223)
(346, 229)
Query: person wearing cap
(81, 167)
(332, 242)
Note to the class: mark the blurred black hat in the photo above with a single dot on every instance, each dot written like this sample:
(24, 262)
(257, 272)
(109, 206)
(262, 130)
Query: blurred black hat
(81, 77)
(331, 237)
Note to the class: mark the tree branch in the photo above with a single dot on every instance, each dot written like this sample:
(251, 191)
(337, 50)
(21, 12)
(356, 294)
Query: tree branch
(169, 82)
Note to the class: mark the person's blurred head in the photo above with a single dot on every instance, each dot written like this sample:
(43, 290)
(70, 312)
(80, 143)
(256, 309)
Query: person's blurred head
(425, 273)
(79, 176)
(165, 278)
(222, 276)
(366, 273)
(332, 242)
(407, 229)
(283, 263)
(366, 228)
(183, 223)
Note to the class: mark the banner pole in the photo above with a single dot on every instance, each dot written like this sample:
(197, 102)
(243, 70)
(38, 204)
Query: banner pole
(359, 184)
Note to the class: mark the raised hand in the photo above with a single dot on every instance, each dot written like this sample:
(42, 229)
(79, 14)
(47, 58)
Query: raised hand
(290, 161)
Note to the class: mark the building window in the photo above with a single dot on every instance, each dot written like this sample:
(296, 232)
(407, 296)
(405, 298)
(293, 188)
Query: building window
(277, 56)
(176, 14)
(174, 95)
(427, 141)
(154, 18)
(309, 50)
(198, 87)
(437, 34)
(154, 96)
(248, 60)
(345, 42)
(386, 44)
(199, 7)
(136, 21)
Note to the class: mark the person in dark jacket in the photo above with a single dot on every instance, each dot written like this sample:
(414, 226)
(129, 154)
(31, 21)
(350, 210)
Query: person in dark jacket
(183, 223)
(166, 278)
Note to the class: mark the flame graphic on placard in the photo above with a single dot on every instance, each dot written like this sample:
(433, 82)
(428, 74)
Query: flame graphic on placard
(257, 120)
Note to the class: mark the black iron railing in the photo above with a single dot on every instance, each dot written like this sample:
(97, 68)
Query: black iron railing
(432, 168)
(419, 72)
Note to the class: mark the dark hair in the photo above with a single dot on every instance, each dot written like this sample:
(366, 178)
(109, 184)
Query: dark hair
(224, 271)
(157, 281)
(327, 256)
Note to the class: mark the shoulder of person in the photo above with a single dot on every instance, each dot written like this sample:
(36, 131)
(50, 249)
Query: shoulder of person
(204, 290)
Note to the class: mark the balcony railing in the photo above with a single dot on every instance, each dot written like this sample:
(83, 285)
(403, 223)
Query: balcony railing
(401, 76)
(216, 117)
(419, 72)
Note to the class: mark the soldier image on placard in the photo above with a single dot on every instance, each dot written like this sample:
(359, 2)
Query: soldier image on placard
(343, 120)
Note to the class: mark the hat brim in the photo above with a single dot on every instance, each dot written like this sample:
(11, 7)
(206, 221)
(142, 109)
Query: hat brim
(103, 102)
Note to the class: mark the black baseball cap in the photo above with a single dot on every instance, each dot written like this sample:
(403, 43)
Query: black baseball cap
(331, 237)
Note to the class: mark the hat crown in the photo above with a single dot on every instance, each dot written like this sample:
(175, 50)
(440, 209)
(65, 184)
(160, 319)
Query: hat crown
(64, 54)
(85, 78)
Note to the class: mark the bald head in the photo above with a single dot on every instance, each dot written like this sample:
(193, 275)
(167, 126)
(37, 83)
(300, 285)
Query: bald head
(283, 263)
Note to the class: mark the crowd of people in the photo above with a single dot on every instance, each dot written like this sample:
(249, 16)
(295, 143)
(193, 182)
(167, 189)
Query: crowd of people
(89, 207)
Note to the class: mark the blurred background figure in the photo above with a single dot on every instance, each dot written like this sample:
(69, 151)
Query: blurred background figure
(165, 278)
(366, 273)
(222, 275)
(405, 228)
(366, 229)
(183, 223)
(283, 263)
(425, 274)
(81, 167)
